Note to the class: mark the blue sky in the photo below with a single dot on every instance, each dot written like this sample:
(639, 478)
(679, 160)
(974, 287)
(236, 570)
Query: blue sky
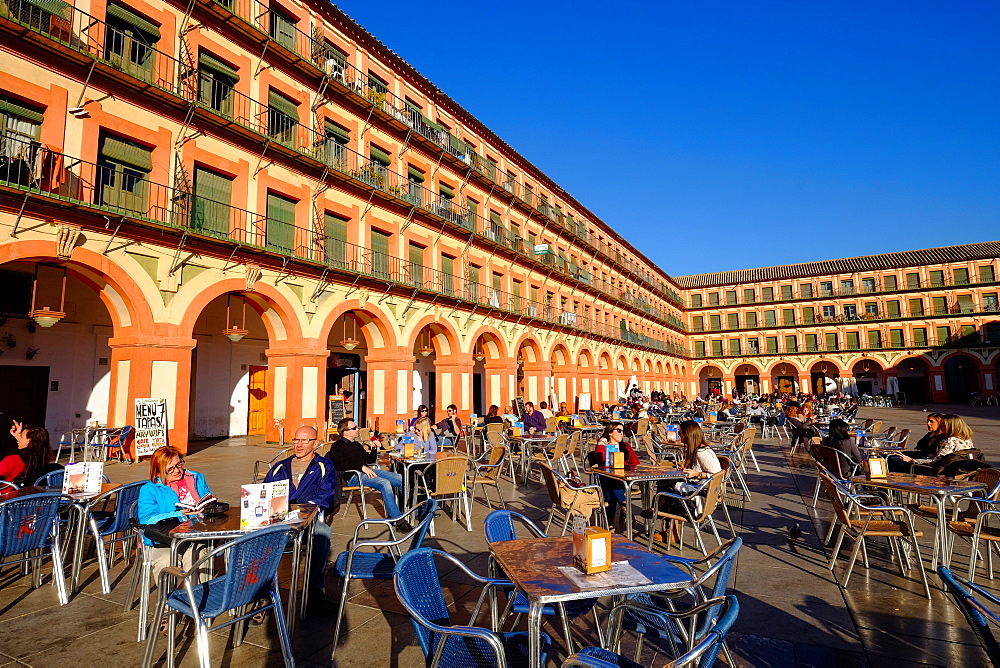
(725, 135)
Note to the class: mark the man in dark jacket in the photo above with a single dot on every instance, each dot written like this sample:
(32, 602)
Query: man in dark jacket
(313, 479)
(534, 421)
(348, 454)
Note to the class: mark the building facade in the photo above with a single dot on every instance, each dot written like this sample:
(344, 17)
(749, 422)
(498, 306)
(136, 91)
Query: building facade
(245, 207)
(922, 323)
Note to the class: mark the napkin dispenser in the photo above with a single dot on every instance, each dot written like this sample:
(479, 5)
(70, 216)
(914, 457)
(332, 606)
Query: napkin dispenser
(875, 467)
(592, 549)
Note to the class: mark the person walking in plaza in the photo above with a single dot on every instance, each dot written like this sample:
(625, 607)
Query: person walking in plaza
(534, 421)
(347, 454)
(613, 490)
(313, 479)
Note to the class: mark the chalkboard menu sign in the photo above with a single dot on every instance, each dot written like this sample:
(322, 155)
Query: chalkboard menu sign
(520, 407)
(336, 410)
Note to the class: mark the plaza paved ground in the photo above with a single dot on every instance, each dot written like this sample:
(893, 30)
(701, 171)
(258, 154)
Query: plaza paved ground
(792, 611)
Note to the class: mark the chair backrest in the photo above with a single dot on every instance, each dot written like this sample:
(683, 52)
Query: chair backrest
(749, 434)
(494, 428)
(494, 437)
(830, 459)
(727, 615)
(877, 426)
(425, 514)
(449, 475)
(969, 607)
(126, 507)
(991, 478)
(559, 449)
(713, 494)
(26, 522)
(119, 438)
(251, 566)
(550, 425)
(499, 525)
(867, 426)
(833, 491)
(889, 433)
(574, 443)
(739, 427)
(642, 426)
(51, 479)
(902, 437)
(551, 485)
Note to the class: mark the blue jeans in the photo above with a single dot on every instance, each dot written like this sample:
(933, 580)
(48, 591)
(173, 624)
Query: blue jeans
(384, 481)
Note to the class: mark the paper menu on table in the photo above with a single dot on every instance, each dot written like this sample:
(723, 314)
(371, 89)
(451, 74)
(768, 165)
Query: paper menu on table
(263, 504)
(83, 478)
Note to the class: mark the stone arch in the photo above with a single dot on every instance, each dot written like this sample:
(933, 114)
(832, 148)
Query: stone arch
(585, 359)
(279, 314)
(560, 355)
(443, 336)
(532, 348)
(605, 360)
(375, 323)
(494, 345)
(621, 364)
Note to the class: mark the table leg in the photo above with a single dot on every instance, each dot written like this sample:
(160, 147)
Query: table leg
(308, 574)
(628, 510)
(535, 635)
(942, 532)
(293, 589)
(81, 527)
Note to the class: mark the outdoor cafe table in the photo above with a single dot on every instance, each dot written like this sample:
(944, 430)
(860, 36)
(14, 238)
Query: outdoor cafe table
(532, 564)
(528, 442)
(635, 475)
(405, 465)
(227, 527)
(939, 488)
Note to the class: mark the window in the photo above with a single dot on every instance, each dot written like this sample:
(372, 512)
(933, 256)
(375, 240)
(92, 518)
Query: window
(937, 278)
(414, 186)
(811, 345)
(716, 348)
(916, 307)
(698, 323)
(130, 41)
(889, 281)
(770, 318)
(788, 316)
(912, 281)
(850, 312)
(868, 285)
(472, 282)
(734, 320)
(695, 301)
(965, 304)
(960, 276)
(990, 302)
(940, 305)
(731, 297)
(920, 337)
(497, 232)
(992, 332)
(791, 344)
(335, 145)
(280, 224)
(122, 170)
(772, 344)
(832, 342)
(892, 308)
(713, 298)
(753, 346)
(734, 346)
(786, 292)
(282, 117)
(806, 290)
(871, 310)
(943, 335)
(282, 29)
(335, 243)
(510, 182)
(808, 315)
(210, 206)
(829, 312)
(874, 338)
(378, 166)
(986, 274)
(448, 274)
(826, 289)
(847, 286)
(853, 341)
(751, 318)
(20, 128)
(749, 296)
(895, 338)
(515, 304)
(216, 80)
(415, 269)
(529, 194)
(699, 348)
(768, 294)
(969, 334)
(716, 322)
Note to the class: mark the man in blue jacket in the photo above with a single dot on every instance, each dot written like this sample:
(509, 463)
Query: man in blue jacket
(313, 479)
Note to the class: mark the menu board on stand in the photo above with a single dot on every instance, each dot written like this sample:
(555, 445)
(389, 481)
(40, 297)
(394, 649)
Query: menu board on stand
(337, 412)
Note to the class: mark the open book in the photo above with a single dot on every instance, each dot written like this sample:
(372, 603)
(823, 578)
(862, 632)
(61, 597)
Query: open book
(204, 501)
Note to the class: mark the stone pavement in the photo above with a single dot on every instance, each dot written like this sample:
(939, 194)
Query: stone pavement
(792, 611)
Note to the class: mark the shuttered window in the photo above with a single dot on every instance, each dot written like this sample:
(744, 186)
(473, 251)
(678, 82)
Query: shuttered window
(853, 341)
(447, 274)
(806, 291)
(213, 194)
(811, 345)
(937, 278)
(716, 348)
(896, 338)
(916, 307)
(808, 315)
(282, 29)
(965, 304)
(913, 280)
(335, 242)
(130, 42)
(733, 320)
(791, 344)
(940, 305)
(961, 276)
(282, 117)
(380, 254)
(749, 296)
(472, 282)
(770, 318)
(698, 323)
(920, 337)
(123, 167)
(889, 281)
(416, 266)
(969, 334)
(716, 321)
(751, 318)
(335, 145)
(892, 308)
(734, 346)
(772, 344)
(986, 274)
(280, 224)
(943, 335)
(20, 128)
(831, 341)
(786, 292)
(874, 339)
(788, 316)
(699, 348)
(215, 83)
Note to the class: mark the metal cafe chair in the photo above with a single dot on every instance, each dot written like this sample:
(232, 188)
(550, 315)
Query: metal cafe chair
(486, 473)
(449, 484)
(251, 575)
(29, 527)
(980, 618)
(110, 527)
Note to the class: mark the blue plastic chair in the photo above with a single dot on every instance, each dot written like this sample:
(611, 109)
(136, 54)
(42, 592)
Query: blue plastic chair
(55, 479)
(499, 525)
(701, 652)
(650, 618)
(418, 587)
(363, 559)
(979, 618)
(110, 527)
(251, 575)
(29, 525)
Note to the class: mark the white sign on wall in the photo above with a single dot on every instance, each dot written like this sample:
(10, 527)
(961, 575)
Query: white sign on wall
(150, 426)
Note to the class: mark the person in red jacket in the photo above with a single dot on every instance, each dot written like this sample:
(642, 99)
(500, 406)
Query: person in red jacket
(614, 491)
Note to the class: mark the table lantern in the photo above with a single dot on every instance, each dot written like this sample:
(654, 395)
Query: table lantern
(591, 547)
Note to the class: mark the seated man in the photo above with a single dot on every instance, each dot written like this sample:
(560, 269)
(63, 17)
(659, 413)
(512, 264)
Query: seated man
(544, 409)
(450, 427)
(534, 422)
(350, 455)
(312, 479)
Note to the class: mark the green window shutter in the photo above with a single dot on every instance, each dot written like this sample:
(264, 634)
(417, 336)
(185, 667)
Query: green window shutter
(379, 155)
(122, 150)
(965, 304)
(734, 320)
(446, 190)
(937, 278)
(15, 108)
(889, 281)
(339, 133)
(699, 348)
(283, 30)
(54, 7)
(380, 253)
(811, 345)
(791, 344)
(772, 344)
(892, 308)
(213, 63)
(212, 198)
(853, 341)
(961, 276)
(919, 337)
(986, 274)
(940, 305)
(749, 297)
(447, 275)
(874, 339)
(734, 346)
(716, 322)
(416, 256)
(943, 335)
(808, 315)
(279, 102)
(698, 323)
(335, 242)
(128, 16)
(916, 307)
(495, 218)
(788, 316)
(751, 319)
(831, 341)
(280, 224)
(786, 292)
(896, 338)
(414, 174)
